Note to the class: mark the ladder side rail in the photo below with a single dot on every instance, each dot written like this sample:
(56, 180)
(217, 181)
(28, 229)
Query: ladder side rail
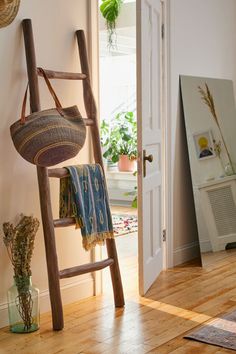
(44, 188)
(91, 111)
(89, 101)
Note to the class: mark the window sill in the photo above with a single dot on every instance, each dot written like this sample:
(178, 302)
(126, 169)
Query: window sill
(117, 175)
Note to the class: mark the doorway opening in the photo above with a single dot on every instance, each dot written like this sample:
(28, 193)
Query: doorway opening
(118, 128)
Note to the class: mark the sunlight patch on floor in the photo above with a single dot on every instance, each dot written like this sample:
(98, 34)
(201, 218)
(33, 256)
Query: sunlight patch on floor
(176, 311)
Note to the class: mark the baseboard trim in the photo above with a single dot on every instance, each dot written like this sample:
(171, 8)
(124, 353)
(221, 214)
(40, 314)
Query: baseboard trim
(70, 293)
(205, 246)
(186, 253)
(3, 315)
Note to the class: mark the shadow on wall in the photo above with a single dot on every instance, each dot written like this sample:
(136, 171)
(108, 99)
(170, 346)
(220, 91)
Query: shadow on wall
(16, 180)
(17, 177)
(185, 230)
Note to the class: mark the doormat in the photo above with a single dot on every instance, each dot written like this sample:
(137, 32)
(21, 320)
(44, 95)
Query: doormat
(124, 224)
(220, 331)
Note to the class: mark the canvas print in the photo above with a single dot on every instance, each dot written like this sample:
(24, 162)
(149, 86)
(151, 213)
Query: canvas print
(204, 145)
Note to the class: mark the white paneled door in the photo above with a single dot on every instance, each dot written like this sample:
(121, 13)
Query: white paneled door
(149, 87)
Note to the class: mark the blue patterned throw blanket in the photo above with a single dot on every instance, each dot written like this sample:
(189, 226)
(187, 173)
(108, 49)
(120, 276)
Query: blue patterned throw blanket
(83, 196)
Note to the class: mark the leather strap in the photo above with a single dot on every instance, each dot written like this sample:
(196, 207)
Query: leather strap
(22, 119)
(52, 92)
(50, 88)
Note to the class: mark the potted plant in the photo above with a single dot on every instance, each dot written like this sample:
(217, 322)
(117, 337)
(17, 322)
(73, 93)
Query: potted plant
(23, 298)
(120, 144)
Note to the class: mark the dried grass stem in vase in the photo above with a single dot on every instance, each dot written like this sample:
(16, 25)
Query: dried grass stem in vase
(208, 99)
(19, 241)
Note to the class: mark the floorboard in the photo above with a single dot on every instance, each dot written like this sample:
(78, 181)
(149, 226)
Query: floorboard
(180, 300)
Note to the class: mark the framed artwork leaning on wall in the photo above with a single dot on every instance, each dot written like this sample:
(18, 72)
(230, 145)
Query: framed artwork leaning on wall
(204, 146)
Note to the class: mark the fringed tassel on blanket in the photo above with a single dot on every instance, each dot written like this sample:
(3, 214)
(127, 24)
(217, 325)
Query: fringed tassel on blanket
(91, 241)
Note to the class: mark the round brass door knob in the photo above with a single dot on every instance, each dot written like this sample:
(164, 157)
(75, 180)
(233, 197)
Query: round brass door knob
(148, 158)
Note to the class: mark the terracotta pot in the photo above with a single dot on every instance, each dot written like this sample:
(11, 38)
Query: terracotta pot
(125, 164)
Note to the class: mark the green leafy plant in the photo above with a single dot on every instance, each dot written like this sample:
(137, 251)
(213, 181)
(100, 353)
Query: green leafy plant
(120, 137)
(105, 132)
(110, 10)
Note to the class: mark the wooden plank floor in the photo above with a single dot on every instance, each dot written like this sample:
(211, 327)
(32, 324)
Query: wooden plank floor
(180, 300)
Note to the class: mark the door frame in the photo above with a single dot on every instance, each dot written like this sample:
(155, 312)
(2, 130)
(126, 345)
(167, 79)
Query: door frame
(93, 57)
(168, 171)
(93, 53)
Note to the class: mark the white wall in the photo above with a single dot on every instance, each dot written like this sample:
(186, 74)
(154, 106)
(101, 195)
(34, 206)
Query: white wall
(54, 24)
(202, 43)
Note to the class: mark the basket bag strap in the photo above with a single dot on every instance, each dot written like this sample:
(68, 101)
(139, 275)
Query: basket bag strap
(52, 92)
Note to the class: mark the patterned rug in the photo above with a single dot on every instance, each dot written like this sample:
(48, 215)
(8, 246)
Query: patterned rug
(124, 224)
(220, 331)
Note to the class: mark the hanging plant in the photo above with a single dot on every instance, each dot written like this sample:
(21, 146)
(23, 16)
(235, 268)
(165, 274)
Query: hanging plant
(110, 10)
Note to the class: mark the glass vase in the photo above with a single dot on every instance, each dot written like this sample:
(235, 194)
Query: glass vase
(23, 305)
(229, 171)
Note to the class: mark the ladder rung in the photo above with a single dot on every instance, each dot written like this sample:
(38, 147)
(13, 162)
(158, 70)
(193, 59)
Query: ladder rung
(51, 74)
(88, 121)
(85, 268)
(58, 172)
(63, 222)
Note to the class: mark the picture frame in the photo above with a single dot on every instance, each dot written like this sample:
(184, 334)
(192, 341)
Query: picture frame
(204, 145)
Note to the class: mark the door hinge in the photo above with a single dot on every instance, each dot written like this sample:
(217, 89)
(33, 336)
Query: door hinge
(162, 31)
(164, 235)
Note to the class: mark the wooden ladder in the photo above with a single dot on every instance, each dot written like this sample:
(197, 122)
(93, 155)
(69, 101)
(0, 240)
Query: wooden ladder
(54, 274)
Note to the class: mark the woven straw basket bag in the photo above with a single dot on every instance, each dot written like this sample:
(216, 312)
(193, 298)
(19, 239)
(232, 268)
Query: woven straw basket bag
(51, 136)
(8, 11)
